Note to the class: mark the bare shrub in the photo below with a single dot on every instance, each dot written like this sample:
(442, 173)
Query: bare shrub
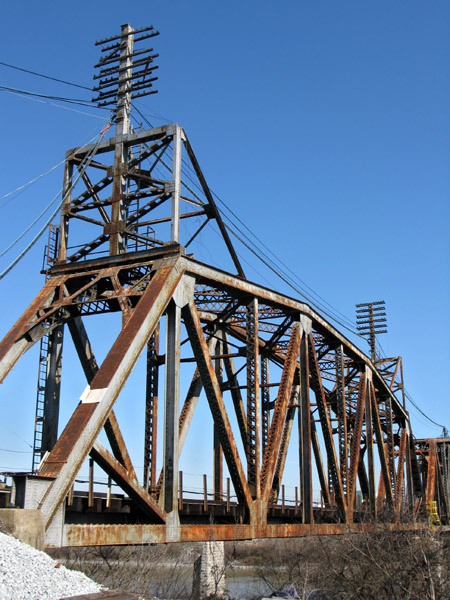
(149, 571)
(386, 564)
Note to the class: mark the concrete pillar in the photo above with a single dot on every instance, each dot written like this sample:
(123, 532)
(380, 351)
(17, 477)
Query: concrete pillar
(209, 572)
(26, 525)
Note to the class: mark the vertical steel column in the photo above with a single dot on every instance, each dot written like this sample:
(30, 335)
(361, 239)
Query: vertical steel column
(64, 233)
(369, 442)
(48, 395)
(218, 455)
(341, 416)
(265, 402)
(390, 441)
(117, 225)
(253, 409)
(176, 184)
(305, 425)
(409, 476)
(172, 399)
(236, 395)
(151, 412)
(52, 389)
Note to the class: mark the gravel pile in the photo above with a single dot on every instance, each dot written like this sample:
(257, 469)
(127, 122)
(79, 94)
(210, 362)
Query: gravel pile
(27, 574)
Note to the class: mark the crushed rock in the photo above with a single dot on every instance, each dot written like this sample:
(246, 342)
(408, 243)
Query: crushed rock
(28, 574)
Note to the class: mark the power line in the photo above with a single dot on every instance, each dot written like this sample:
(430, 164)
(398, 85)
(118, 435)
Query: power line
(23, 187)
(281, 273)
(78, 101)
(408, 396)
(83, 87)
(276, 267)
(52, 216)
(39, 216)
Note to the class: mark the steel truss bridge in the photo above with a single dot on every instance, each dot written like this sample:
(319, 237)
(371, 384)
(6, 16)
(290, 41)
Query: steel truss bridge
(267, 370)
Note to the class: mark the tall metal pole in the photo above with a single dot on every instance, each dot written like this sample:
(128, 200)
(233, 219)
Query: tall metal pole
(176, 184)
(116, 227)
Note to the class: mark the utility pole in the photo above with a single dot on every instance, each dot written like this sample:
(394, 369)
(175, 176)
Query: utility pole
(371, 321)
(119, 83)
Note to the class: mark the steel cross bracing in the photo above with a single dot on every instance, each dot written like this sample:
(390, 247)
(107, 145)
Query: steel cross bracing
(214, 306)
(211, 338)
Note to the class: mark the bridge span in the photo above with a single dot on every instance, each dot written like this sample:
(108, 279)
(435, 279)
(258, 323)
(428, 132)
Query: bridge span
(270, 375)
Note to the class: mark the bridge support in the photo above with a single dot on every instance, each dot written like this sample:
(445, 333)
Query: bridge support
(209, 572)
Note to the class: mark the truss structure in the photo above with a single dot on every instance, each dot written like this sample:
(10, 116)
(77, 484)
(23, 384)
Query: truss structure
(272, 376)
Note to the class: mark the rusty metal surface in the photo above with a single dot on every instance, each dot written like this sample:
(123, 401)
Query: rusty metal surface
(128, 483)
(226, 318)
(276, 427)
(214, 396)
(104, 535)
(58, 457)
(353, 427)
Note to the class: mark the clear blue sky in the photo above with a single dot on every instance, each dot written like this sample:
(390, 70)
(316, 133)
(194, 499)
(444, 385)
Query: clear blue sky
(324, 125)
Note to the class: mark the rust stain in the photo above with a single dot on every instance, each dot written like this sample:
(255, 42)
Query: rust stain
(60, 453)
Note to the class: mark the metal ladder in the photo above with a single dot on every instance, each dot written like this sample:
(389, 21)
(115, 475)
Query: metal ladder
(40, 402)
(49, 257)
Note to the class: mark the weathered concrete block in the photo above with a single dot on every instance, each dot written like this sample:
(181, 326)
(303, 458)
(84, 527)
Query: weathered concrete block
(27, 525)
(209, 572)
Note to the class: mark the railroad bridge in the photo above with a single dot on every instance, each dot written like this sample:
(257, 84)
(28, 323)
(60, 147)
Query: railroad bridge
(267, 370)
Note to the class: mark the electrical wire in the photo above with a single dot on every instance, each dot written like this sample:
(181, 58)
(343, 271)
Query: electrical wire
(267, 261)
(29, 183)
(78, 101)
(25, 186)
(407, 395)
(38, 218)
(336, 315)
(83, 87)
(52, 216)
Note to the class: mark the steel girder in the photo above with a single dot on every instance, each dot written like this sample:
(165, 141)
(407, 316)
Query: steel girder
(223, 336)
(350, 422)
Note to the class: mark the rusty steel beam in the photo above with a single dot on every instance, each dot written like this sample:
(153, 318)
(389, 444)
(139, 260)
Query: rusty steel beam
(120, 475)
(390, 441)
(284, 444)
(213, 207)
(399, 479)
(341, 413)
(382, 451)
(265, 402)
(304, 414)
(253, 400)
(151, 411)
(107, 535)
(52, 389)
(319, 465)
(192, 396)
(217, 448)
(369, 444)
(235, 393)
(431, 472)
(18, 340)
(188, 410)
(90, 368)
(216, 277)
(217, 406)
(89, 417)
(443, 505)
(317, 387)
(355, 447)
(279, 413)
